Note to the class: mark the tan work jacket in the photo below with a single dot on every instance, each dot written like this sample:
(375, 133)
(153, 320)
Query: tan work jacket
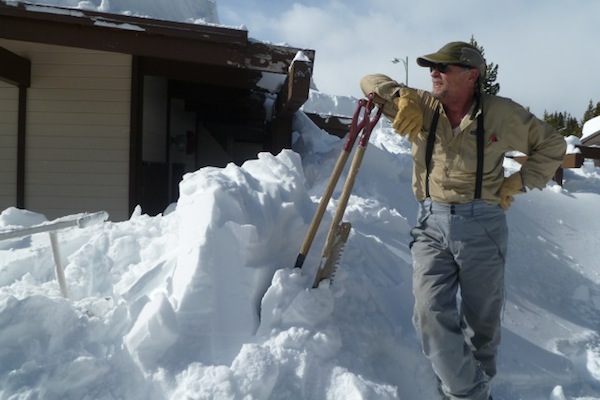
(507, 127)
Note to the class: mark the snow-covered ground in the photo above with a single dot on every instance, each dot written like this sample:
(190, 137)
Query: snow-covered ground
(203, 303)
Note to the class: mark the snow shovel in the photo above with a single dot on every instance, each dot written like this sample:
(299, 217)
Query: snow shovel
(339, 231)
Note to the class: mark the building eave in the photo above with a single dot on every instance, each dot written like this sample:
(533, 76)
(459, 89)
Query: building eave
(144, 37)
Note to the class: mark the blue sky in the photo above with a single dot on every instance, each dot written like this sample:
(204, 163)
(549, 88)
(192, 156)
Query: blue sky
(548, 52)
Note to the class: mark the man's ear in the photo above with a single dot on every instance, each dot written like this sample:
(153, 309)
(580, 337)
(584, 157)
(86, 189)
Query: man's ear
(473, 74)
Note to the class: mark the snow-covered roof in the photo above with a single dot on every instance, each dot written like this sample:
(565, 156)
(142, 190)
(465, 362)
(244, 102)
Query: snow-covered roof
(591, 127)
(206, 44)
(185, 11)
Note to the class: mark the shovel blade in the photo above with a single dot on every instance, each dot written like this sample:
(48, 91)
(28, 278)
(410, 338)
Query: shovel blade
(332, 253)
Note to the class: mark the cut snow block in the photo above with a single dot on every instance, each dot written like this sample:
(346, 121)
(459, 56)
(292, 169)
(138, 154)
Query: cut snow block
(153, 333)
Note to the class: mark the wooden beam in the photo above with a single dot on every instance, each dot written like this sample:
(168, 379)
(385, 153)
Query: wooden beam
(572, 160)
(558, 176)
(290, 98)
(297, 85)
(14, 69)
(280, 133)
(589, 152)
(21, 146)
(334, 125)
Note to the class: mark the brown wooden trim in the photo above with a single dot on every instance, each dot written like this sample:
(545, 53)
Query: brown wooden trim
(14, 69)
(21, 142)
(135, 135)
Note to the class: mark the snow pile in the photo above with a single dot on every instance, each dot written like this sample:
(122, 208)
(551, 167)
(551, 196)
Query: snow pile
(203, 302)
(572, 143)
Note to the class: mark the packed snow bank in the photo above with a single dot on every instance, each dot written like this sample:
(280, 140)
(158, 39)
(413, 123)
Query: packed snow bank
(231, 225)
(203, 302)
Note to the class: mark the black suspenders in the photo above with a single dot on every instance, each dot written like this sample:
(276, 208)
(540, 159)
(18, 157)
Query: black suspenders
(429, 149)
(429, 153)
(479, 175)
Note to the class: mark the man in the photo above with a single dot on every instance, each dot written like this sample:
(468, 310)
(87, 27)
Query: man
(459, 137)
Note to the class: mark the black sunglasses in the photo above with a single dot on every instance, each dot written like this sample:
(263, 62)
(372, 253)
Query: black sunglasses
(443, 68)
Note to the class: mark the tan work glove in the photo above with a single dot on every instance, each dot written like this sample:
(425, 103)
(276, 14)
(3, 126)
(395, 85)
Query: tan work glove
(409, 118)
(511, 186)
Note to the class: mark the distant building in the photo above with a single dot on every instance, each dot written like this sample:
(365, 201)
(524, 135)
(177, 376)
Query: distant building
(106, 112)
(591, 132)
(590, 140)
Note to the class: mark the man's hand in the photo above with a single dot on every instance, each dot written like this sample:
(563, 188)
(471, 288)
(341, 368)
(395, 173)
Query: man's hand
(409, 119)
(511, 186)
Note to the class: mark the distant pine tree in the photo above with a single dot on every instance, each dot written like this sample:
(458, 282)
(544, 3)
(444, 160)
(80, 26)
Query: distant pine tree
(591, 112)
(491, 73)
(564, 123)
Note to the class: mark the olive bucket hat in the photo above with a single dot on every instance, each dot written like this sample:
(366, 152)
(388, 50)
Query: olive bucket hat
(460, 53)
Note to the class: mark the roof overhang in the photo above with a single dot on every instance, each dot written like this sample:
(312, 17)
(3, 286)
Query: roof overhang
(144, 37)
(592, 138)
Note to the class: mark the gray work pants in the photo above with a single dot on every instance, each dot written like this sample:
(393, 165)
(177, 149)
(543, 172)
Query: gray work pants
(460, 247)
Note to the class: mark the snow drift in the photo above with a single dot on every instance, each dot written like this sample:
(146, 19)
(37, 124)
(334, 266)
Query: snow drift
(203, 303)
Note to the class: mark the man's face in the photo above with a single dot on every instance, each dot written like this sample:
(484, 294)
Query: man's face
(451, 81)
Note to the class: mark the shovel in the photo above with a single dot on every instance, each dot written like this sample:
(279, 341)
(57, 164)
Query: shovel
(339, 231)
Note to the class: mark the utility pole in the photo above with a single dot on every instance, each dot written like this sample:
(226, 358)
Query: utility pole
(405, 62)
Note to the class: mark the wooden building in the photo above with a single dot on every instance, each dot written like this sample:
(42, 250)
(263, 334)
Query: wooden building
(106, 112)
(590, 141)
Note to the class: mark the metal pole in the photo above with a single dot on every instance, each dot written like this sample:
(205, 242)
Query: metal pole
(60, 271)
(81, 221)
(405, 62)
(406, 68)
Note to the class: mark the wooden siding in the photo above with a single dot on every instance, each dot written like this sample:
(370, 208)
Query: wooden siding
(9, 102)
(78, 119)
